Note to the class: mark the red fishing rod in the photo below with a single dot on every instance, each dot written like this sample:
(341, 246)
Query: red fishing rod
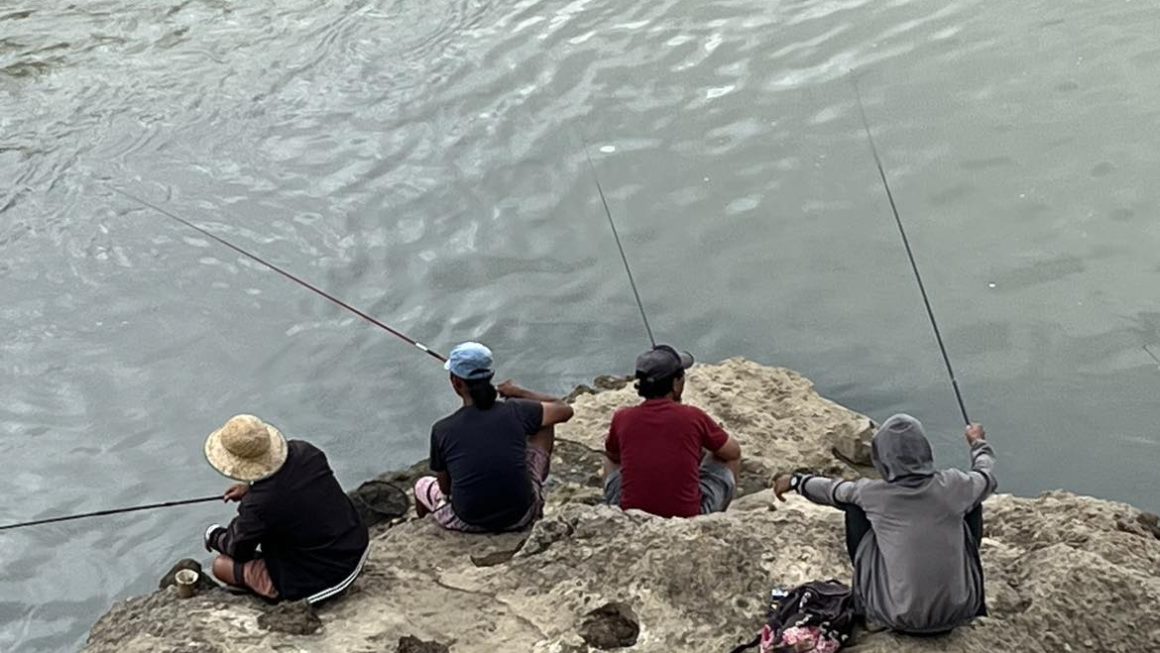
(309, 286)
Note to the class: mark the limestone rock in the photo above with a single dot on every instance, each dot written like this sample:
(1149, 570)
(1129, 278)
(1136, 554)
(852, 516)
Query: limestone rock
(782, 423)
(609, 627)
(1064, 572)
(411, 644)
(292, 618)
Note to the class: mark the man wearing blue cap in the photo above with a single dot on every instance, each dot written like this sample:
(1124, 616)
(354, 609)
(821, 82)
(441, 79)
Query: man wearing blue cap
(490, 458)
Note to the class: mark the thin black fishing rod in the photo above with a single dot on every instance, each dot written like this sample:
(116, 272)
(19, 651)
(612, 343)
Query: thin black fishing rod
(114, 511)
(398, 334)
(1149, 352)
(910, 255)
(619, 246)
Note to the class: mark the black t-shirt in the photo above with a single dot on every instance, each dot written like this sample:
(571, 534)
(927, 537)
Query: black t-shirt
(485, 452)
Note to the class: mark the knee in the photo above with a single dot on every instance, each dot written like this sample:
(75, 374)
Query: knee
(223, 569)
(544, 438)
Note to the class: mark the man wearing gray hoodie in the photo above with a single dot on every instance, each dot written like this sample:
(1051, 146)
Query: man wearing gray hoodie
(914, 535)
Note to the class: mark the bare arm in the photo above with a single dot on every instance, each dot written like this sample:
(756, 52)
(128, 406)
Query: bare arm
(444, 480)
(555, 410)
(729, 452)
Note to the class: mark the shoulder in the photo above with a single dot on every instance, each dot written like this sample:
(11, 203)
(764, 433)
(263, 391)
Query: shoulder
(304, 453)
(520, 404)
(301, 446)
(447, 423)
(626, 413)
(693, 413)
(299, 452)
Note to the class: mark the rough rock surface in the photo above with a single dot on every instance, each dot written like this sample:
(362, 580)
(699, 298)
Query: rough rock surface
(1064, 573)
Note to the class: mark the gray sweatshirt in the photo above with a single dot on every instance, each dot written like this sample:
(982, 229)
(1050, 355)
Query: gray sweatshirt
(919, 570)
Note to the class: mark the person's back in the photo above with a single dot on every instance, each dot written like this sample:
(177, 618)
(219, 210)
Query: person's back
(664, 457)
(490, 458)
(661, 445)
(913, 536)
(485, 453)
(918, 569)
(313, 536)
(296, 535)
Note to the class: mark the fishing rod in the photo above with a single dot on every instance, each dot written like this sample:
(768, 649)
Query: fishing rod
(315, 289)
(1149, 352)
(114, 511)
(910, 254)
(619, 246)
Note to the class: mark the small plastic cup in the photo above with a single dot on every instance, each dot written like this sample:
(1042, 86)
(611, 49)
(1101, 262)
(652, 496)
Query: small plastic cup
(186, 581)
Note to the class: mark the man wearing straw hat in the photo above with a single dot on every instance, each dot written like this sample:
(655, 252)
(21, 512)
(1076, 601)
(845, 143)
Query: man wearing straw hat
(490, 458)
(313, 543)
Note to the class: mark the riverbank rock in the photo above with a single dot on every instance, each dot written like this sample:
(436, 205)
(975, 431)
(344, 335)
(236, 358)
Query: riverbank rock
(1064, 572)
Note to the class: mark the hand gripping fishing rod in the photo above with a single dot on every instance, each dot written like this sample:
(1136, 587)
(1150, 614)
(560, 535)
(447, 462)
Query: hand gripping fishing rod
(619, 246)
(114, 511)
(910, 254)
(312, 288)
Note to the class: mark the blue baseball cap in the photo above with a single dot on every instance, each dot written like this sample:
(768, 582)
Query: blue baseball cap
(470, 361)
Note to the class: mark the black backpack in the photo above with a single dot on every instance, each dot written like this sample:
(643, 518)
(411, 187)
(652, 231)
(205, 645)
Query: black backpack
(827, 607)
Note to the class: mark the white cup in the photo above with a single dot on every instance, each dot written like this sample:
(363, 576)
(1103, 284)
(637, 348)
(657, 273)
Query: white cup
(185, 579)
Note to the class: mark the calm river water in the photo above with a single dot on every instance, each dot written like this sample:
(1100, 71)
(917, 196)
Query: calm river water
(423, 160)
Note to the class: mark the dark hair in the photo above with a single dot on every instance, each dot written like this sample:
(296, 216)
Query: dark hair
(482, 392)
(659, 387)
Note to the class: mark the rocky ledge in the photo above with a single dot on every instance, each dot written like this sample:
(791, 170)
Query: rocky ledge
(1064, 572)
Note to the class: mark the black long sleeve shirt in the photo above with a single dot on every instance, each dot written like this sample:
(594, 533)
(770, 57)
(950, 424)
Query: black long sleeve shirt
(310, 534)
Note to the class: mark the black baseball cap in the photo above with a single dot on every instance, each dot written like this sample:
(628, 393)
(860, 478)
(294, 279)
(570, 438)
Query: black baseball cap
(662, 362)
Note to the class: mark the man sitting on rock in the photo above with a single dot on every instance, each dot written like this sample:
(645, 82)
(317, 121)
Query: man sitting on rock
(914, 535)
(490, 458)
(664, 457)
(313, 543)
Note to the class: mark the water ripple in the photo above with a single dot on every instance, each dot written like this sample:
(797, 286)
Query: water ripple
(424, 161)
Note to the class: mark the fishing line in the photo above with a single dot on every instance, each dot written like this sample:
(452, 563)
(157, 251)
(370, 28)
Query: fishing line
(619, 246)
(398, 334)
(114, 511)
(910, 254)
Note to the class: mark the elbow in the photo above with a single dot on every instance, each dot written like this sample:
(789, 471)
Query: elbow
(730, 452)
(566, 412)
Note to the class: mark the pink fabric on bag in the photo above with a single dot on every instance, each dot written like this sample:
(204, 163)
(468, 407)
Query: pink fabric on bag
(808, 638)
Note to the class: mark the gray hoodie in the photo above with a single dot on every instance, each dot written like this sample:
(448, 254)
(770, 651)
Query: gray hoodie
(919, 570)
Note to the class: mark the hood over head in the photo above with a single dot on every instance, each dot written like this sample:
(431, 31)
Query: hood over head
(900, 449)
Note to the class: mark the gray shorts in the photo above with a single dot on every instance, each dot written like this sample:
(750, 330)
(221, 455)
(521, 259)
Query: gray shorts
(717, 486)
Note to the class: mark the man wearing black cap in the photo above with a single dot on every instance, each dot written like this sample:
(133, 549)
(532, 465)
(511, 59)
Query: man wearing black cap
(663, 457)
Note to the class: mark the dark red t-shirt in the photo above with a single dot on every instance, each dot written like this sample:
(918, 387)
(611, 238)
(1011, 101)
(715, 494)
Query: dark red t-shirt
(660, 444)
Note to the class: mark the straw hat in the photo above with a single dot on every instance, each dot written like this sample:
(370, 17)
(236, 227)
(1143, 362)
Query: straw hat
(246, 449)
